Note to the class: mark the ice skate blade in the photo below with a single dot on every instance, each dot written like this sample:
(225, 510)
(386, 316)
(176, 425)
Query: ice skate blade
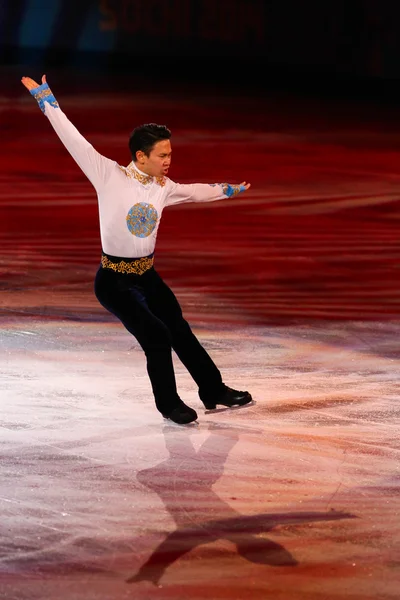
(172, 423)
(220, 408)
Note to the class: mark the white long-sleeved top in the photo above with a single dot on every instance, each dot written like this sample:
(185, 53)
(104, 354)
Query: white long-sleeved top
(130, 202)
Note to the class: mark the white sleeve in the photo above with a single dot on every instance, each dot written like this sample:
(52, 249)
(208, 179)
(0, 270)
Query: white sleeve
(177, 193)
(96, 167)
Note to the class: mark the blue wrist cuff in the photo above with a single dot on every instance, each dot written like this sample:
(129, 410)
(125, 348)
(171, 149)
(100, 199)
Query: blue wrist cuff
(44, 94)
(232, 190)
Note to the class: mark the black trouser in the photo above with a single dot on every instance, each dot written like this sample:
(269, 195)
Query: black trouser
(149, 310)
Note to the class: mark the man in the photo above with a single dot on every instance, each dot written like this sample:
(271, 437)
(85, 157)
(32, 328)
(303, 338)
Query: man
(131, 200)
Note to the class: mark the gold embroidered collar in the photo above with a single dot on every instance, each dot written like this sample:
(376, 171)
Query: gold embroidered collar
(133, 173)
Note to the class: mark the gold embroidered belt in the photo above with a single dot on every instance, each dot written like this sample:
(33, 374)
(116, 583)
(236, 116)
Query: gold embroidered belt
(136, 266)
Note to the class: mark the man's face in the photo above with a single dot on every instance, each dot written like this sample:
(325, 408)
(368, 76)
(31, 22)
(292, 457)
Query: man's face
(157, 164)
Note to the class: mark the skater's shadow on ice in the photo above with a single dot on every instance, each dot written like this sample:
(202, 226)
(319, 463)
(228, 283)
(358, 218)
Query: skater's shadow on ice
(184, 483)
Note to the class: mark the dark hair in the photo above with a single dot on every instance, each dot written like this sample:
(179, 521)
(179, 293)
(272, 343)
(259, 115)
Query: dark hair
(146, 136)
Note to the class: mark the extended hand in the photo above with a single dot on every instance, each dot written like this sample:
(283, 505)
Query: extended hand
(245, 185)
(30, 84)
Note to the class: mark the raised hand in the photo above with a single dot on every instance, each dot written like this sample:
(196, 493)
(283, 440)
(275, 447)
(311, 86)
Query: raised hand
(31, 84)
(42, 93)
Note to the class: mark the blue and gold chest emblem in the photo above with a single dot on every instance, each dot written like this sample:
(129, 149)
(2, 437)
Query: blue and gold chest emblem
(142, 219)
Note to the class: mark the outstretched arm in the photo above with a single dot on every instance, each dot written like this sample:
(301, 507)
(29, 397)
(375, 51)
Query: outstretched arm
(96, 167)
(203, 192)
